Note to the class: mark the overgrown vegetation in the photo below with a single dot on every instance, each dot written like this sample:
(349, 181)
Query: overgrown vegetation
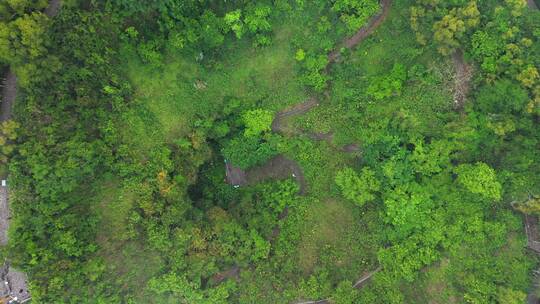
(127, 111)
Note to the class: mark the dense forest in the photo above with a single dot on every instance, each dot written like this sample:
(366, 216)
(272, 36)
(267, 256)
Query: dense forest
(273, 151)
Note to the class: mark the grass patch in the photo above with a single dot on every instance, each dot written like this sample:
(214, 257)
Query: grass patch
(170, 99)
(336, 235)
(129, 263)
(425, 97)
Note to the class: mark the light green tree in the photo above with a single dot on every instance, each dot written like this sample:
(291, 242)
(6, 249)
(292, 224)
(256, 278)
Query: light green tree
(510, 296)
(479, 179)
(358, 188)
(448, 31)
(23, 39)
(257, 121)
(345, 293)
(234, 22)
(8, 133)
(355, 13)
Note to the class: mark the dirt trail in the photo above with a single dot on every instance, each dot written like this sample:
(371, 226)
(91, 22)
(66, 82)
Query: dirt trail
(282, 167)
(532, 4)
(361, 282)
(9, 93)
(349, 43)
(237, 176)
(278, 167)
(462, 81)
(233, 272)
(531, 230)
(4, 216)
(363, 32)
(358, 285)
(53, 8)
(298, 109)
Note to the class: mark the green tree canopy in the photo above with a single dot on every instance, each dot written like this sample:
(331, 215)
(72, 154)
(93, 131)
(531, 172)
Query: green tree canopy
(359, 188)
(479, 179)
(257, 122)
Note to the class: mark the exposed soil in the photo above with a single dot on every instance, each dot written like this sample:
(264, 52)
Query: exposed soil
(53, 8)
(531, 230)
(363, 32)
(314, 302)
(9, 93)
(532, 4)
(4, 216)
(278, 124)
(235, 175)
(462, 81)
(362, 280)
(231, 273)
(533, 243)
(351, 148)
(279, 167)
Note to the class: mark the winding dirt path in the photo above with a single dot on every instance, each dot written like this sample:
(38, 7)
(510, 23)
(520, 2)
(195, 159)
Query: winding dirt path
(236, 176)
(349, 43)
(282, 167)
(363, 32)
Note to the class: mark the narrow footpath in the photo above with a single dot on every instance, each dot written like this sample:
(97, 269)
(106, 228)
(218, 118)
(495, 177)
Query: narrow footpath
(238, 177)
(282, 167)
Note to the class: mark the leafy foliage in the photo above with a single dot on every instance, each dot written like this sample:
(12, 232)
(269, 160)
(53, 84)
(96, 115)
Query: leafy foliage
(479, 179)
(358, 188)
(257, 121)
(355, 13)
(386, 86)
